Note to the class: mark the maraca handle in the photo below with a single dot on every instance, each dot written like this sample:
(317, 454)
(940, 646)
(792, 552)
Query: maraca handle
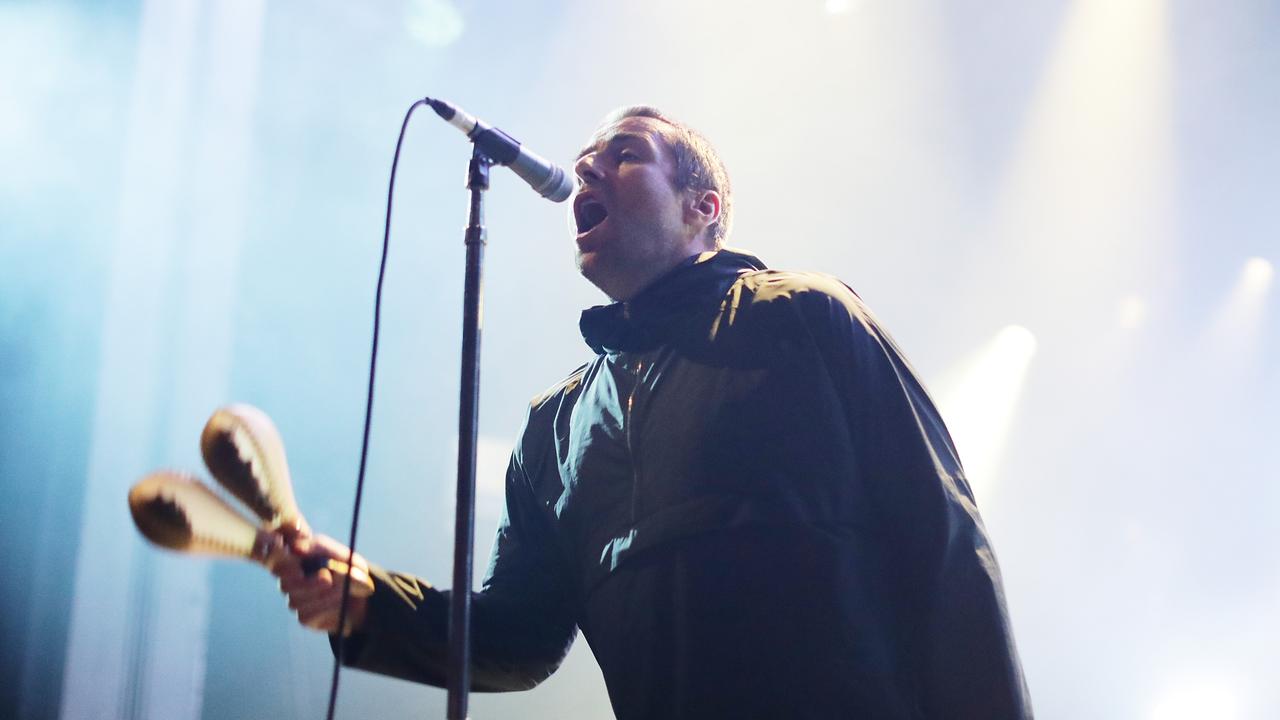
(361, 583)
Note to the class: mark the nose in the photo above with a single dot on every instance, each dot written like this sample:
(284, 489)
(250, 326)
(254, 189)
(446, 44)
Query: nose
(585, 169)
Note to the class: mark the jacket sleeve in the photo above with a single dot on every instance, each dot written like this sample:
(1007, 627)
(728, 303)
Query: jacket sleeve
(952, 618)
(522, 619)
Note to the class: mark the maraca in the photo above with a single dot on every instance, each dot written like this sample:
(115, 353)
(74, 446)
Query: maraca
(178, 512)
(243, 450)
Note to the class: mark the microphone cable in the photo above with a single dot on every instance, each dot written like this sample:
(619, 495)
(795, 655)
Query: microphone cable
(340, 645)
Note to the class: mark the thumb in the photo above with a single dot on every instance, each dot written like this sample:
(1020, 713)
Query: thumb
(296, 535)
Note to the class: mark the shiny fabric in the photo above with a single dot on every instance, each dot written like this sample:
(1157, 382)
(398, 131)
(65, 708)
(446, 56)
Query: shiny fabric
(749, 506)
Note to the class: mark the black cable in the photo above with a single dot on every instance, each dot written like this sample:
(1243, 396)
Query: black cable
(368, 417)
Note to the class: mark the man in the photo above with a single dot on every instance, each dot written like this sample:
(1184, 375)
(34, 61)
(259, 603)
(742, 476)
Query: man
(746, 502)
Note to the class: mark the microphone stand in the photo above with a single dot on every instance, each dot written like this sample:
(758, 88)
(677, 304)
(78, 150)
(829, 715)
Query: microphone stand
(468, 410)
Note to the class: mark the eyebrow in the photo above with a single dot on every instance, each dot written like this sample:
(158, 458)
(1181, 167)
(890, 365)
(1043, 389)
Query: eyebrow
(613, 139)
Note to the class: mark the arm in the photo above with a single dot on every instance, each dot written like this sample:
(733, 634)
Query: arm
(522, 618)
(952, 616)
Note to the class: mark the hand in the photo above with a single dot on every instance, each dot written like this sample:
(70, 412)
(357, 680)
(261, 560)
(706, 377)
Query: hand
(316, 597)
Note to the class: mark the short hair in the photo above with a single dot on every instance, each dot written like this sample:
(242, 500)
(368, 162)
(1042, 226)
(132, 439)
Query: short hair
(698, 165)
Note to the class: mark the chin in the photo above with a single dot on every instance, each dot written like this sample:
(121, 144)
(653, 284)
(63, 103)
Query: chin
(589, 266)
(596, 271)
(585, 261)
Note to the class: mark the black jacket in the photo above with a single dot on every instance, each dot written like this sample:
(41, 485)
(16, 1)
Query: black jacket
(749, 506)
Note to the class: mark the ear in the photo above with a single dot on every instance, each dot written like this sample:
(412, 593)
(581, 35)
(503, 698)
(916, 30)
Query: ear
(703, 209)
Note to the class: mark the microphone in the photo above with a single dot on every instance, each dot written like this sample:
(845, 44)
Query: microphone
(549, 180)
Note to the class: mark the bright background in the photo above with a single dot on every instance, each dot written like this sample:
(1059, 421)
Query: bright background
(1066, 212)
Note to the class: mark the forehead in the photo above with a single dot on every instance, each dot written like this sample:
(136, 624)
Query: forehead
(651, 131)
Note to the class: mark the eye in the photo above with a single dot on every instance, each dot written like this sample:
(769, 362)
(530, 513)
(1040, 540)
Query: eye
(627, 156)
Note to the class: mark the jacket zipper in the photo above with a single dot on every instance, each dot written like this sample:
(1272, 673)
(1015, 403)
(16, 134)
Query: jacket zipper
(631, 450)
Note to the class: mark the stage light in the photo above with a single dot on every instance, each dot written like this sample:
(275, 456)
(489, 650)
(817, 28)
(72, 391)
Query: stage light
(1256, 276)
(493, 454)
(1131, 313)
(979, 401)
(1237, 324)
(838, 7)
(1196, 699)
(181, 207)
(1091, 176)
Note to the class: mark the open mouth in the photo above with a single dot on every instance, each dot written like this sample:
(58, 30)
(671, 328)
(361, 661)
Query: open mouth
(588, 212)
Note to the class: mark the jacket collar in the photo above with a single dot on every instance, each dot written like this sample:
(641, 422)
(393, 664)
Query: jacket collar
(649, 318)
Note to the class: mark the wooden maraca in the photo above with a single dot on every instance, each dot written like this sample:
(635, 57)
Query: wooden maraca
(243, 450)
(178, 512)
(245, 453)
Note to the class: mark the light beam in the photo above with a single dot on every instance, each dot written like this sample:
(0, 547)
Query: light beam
(979, 402)
(1237, 323)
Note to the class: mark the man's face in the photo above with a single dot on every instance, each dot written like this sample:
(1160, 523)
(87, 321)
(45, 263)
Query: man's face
(632, 224)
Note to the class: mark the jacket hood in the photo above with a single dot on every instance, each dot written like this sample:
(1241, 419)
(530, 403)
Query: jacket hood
(688, 289)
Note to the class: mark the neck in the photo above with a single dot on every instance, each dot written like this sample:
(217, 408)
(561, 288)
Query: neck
(657, 271)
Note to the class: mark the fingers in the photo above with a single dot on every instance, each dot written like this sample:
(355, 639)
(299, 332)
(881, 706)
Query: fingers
(294, 530)
(316, 597)
(297, 552)
(319, 605)
(308, 596)
(319, 546)
(277, 557)
(325, 546)
(299, 543)
(321, 611)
